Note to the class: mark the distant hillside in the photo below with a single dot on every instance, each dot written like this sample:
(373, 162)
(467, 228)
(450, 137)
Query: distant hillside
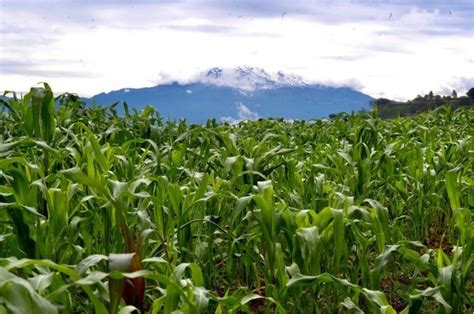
(390, 108)
(242, 93)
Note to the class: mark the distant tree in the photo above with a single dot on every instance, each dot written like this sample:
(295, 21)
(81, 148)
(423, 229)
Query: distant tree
(382, 102)
(470, 93)
(465, 101)
(430, 95)
(454, 94)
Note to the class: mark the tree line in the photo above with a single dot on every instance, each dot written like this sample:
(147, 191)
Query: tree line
(388, 108)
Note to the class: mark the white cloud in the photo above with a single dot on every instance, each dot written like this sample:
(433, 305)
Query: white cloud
(247, 79)
(243, 113)
(461, 85)
(112, 46)
(230, 120)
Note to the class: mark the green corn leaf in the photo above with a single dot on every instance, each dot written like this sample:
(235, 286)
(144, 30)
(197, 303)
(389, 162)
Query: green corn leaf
(338, 236)
(118, 263)
(452, 188)
(309, 241)
(88, 262)
(196, 273)
(20, 297)
(77, 175)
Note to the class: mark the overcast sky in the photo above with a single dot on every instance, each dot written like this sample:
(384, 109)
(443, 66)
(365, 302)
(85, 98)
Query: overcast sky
(397, 48)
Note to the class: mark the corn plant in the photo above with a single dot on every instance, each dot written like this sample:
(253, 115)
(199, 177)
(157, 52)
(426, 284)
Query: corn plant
(127, 213)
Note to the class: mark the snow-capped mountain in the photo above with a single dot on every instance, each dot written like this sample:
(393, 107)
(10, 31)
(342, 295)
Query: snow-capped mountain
(243, 93)
(248, 78)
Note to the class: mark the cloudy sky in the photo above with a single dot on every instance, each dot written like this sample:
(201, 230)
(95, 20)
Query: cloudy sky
(397, 48)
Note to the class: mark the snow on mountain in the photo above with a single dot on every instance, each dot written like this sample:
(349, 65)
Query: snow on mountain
(248, 78)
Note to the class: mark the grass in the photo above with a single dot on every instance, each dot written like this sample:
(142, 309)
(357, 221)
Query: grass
(108, 213)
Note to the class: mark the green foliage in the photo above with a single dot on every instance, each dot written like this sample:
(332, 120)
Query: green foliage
(392, 109)
(119, 214)
(470, 93)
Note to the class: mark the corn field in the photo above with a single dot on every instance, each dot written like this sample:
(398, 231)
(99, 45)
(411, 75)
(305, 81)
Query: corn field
(125, 213)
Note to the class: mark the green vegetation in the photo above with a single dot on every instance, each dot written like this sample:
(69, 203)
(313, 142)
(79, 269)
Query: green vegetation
(391, 108)
(107, 213)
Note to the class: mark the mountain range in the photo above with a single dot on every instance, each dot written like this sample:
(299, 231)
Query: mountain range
(242, 93)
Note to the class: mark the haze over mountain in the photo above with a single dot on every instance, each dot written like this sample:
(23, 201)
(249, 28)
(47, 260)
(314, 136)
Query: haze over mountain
(241, 93)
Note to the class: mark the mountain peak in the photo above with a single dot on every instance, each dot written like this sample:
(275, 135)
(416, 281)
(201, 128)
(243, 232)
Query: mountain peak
(248, 78)
(214, 73)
